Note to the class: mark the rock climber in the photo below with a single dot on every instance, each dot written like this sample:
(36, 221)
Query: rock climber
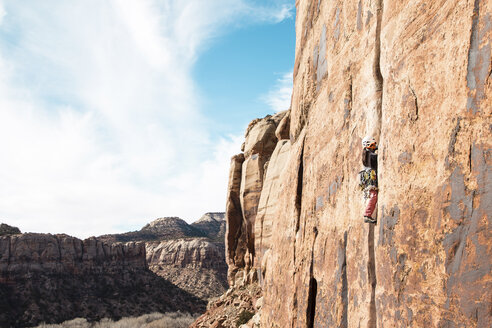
(369, 176)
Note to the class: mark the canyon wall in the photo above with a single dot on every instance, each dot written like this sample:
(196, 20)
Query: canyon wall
(195, 265)
(190, 256)
(168, 265)
(53, 278)
(416, 75)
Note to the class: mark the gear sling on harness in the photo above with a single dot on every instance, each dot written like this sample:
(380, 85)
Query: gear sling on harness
(368, 181)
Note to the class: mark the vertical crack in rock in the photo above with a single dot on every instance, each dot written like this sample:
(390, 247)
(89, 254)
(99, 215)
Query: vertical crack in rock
(470, 158)
(82, 250)
(313, 287)
(342, 259)
(298, 200)
(348, 100)
(311, 309)
(452, 142)
(237, 235)
(416, 117)
(58, 244)
(378, 76)
(477, 69)
(300, 174)
(377, 59)
(379, 81)
(371, 269)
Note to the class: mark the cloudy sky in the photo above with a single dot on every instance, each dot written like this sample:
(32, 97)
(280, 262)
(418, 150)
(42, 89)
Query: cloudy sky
(116, 112)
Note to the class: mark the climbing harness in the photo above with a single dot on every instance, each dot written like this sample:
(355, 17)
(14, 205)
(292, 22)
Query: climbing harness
(368, 181)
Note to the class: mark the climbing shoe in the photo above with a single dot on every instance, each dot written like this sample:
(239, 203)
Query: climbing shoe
(368, 219)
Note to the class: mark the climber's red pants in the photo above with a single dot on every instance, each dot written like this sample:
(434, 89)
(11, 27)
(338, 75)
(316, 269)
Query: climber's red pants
(371, 204)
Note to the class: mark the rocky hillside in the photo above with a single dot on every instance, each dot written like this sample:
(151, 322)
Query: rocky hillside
(6, 230)
(52, 278)
(195, 265)
(160, 229)
(213, 225)
(191, 256)
(417, 76)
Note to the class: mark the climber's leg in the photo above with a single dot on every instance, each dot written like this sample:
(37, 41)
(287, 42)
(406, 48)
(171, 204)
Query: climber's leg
(371, 205)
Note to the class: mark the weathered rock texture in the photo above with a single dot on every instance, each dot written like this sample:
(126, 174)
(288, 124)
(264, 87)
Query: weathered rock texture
(213, 224)
(245, 186)
(53, 278)
(417, 76)
(191, 256)
(194, 265)
(223, 311)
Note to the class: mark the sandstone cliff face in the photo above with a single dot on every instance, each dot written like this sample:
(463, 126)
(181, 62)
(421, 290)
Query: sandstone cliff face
(191, 256)
(53, 278)
(245, 186)
(32, 252)
(417, 76)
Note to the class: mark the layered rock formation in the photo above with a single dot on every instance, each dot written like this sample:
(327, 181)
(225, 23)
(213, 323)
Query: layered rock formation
(53, 278)
(417, 76)
(245, 186)
(195, 265)
(191, 256)
(166, 266)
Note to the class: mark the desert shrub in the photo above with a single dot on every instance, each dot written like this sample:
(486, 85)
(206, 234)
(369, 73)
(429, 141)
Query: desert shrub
(244, 317)
(75, 323)
(152, 320)
(173, 320)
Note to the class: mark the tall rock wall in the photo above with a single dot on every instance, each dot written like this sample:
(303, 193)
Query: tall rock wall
(247, 174)
(417, 76)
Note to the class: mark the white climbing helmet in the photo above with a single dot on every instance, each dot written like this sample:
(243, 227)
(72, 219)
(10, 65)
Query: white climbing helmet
(369, 142)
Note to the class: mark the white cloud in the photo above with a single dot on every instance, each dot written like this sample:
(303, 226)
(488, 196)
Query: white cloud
(280, 96)
(279, 14)
(100, 125)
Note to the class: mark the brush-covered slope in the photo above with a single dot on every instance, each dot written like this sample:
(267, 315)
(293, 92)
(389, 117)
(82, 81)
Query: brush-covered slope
(165, 228)
(213, 224)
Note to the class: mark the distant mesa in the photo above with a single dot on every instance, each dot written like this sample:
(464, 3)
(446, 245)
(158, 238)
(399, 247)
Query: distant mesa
(166, 228)
(6, 230)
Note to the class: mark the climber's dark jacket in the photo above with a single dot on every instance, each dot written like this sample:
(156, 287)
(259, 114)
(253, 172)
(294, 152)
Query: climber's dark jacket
(370, 159)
